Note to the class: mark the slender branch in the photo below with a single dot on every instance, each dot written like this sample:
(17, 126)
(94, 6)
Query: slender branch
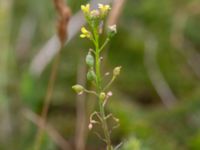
(100, 137)
(91, 92)
(109, 83)
(104, 44)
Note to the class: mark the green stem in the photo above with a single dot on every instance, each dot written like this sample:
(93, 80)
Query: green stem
(105, 126)
(97, 59)
(104, 44)
(98, 71)
(99, 88)
(108, 85)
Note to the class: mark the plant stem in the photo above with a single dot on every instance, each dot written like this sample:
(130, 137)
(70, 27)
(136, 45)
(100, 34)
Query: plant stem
(99, 89)
(97, 60)
(105, 126)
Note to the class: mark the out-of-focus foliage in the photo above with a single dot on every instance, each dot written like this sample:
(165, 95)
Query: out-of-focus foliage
(132, 144)
(136, 102)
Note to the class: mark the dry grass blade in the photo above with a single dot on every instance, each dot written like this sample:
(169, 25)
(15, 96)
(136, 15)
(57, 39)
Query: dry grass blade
(57, 138)
(178, 39)
(116, 11)
(156, 77)
(64, 14)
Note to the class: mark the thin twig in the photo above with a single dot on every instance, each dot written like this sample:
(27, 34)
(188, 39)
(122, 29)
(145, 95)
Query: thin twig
(100, 137)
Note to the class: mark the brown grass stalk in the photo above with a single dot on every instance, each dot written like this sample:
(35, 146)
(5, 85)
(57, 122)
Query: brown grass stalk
(64, 15)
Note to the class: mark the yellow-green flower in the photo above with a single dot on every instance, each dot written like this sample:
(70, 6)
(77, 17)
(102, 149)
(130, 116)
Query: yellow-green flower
(85, 8)
(104, 9)
(85, 33)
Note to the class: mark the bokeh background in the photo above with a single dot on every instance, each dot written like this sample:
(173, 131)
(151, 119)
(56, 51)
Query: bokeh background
(156, 97)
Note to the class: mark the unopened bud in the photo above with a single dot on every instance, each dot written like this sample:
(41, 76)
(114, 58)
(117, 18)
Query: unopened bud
(116, 71)
(90, 126)
(109, 93)
(112, 30)
(102, 96)
(89, 60)
(78, 89)
(91, 75)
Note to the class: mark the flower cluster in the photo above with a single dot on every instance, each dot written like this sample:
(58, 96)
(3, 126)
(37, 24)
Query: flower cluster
(101, 12)
(94, 18)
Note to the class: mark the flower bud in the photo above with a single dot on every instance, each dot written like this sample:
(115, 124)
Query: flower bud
(112, 30)
(78, 89)
(90, 126)
(89, 60)
(91, 75)
(102, 96)
(94, 14)
(109, 94)
(116, 71)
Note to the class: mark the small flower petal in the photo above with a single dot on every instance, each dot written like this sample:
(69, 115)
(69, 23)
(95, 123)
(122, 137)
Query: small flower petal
(85, 8)
(104, 9)
(84, 30)
(82, 36)
(85, 33)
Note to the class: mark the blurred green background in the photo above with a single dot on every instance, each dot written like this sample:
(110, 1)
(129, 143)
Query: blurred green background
(156, 97)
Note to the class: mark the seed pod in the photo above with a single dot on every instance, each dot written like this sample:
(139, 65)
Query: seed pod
(91, 76)
(89, 60)
(102, 96)
(116, 71)
(78, 89)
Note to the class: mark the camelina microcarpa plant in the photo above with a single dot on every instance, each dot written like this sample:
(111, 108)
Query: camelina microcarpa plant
(95, 19)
